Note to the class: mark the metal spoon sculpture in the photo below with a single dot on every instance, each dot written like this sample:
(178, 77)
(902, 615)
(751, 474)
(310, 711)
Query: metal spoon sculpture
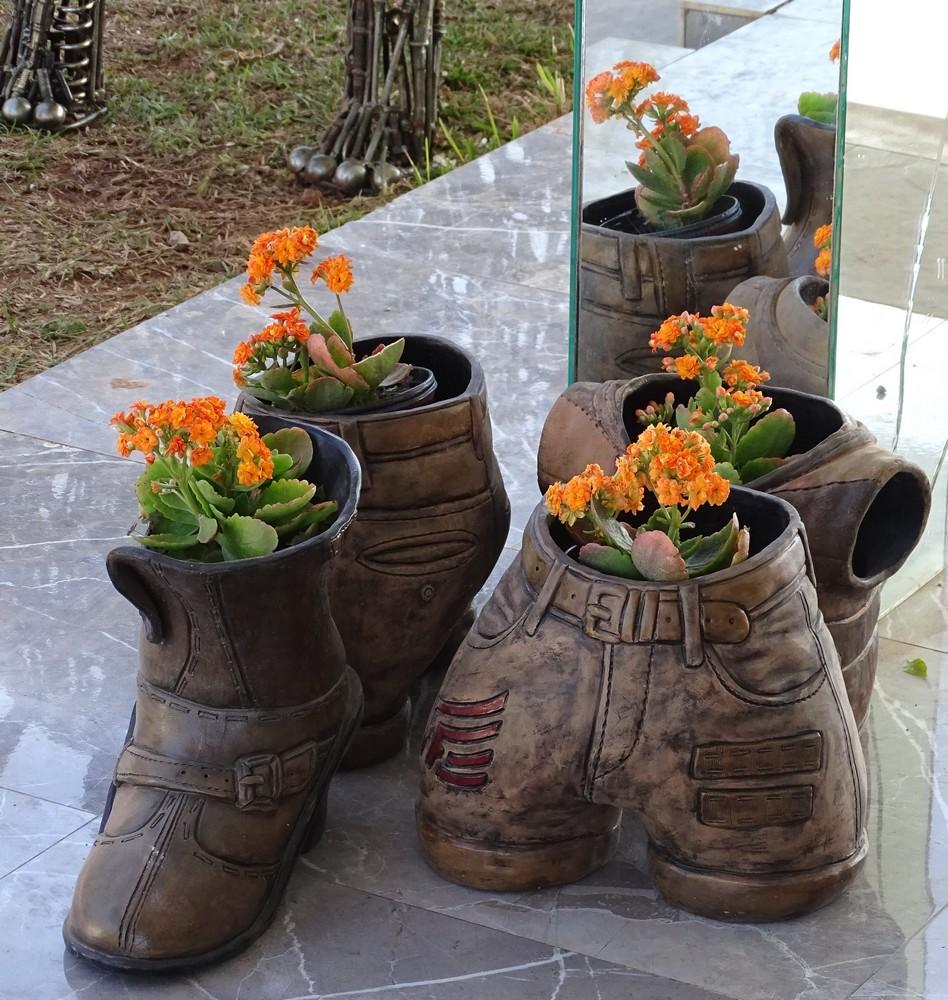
(51, 64)
(393, 66)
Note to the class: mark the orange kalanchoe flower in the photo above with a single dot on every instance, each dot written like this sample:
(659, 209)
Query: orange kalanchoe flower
(597, 98)
(571, 502)
(174, 428)
(282, 251)
(744, 374)
(823, 241)
(336, 272)
(687, 366)
(834, 51)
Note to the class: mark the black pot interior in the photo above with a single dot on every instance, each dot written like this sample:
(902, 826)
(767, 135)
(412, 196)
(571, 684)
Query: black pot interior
(604, 211)
(765, 517)
(451, 367)
(816, 418)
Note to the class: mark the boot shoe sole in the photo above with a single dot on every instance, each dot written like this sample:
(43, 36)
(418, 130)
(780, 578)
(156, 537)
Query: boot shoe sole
(305, 834)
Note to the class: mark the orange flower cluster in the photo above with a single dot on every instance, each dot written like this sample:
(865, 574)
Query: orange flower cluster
(690, 366)
(670, 113)
(673, 332)
(608, 91)
(727, 324)
(823, 241)
(570, 502)
(725, 327)
(190, 431)
(282, 251)
(834, 51)
(676, 465)
(743, 375)
(288, 330)
(336, 272)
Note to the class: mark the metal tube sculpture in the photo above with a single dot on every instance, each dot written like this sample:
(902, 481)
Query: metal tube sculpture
(51, 64)
(393, 67)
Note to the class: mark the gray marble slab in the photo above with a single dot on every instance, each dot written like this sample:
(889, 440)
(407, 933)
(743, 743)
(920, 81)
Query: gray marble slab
(326, 942)
(923, 620)
(29, 826)
(921, 973)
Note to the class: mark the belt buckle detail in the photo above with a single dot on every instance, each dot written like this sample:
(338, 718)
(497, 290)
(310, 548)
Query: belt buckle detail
(259, 781)
(603, 617)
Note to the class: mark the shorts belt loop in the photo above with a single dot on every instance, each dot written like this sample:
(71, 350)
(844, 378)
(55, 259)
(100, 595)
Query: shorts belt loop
(692, 638)
(535, 615)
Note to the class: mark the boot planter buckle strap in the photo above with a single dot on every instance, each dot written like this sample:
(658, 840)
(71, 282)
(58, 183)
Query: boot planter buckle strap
(255, 783)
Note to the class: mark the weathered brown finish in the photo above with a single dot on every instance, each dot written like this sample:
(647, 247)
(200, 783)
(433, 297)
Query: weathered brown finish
(433, 518)
(784, 335)
(863, 507)
(630, 283)
(245, 707)
(714, 708)
(807, 153)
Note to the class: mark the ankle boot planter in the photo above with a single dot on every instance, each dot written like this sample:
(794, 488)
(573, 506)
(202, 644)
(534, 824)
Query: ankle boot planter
(245, 708)
(785, 335)
(629, 282)
(433, 518)
(807, 153)
(714, 708)
(863, 507)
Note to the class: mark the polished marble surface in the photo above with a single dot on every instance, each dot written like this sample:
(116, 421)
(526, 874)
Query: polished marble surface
(363, 915)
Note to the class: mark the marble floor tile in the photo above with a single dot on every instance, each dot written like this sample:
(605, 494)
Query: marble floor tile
(28, 826)
(828, 11)
(921, 620)
(919, 973)
(326, 942)
(617, 915)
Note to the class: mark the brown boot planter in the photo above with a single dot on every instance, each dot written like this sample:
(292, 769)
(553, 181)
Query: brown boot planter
(630, 282)
(714, 708)
(238, 727)
(433, 518)
(807, 153)
(785, 336)
(863, 507)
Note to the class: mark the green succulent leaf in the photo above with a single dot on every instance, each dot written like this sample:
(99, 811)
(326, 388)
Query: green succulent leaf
(296, 443)
(676, 150)
(728, 472)
(656, 179)
(917, 667)
(246, 537)
(215, 501)
(167, 542)
(770, 437)
(683, 417)
(376, 367)
(698, 164)
(143, 491)
(711, 553)
(340, 325)
(281, 465)
(268, 396)
(819, 107)
(706, 399)
(283, 498)
(398, 374)
(207, 528)
(315, 514)
(609, 560)
(326, 394)
(277, 379)
(324, 362)
(339, 350)
(758, 467)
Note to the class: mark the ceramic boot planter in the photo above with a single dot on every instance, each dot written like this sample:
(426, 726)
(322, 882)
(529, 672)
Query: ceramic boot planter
(807, 153)
(863, 507)
(629, 283)
(238, 727)
(714, 708)
(433, 518)
(785, 336)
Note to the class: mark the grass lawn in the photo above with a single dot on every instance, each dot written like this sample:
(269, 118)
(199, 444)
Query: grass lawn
(205, 99)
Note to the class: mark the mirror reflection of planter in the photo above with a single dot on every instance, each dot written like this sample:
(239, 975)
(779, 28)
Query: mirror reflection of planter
(245, 707)
(807, 153)
(864, 508)
(713, 707)
(433, 518)
(785, 335)
(630, 282)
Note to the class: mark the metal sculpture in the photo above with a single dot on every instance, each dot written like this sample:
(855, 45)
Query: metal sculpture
(51, 64)
(393, 67)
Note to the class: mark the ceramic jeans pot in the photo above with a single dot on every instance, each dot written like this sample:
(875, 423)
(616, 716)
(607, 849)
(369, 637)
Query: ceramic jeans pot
(785, 336)
(433, 518)
(630, 283)
(713, 708)
(864, 508)
(244, 710)
(807, 153)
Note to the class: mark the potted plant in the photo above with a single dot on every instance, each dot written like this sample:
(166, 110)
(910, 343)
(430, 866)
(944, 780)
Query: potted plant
(806, 149)
(433, 514)
(863, 507)
(675, 666)
(681, 240)
(787, 332)
(245, 704)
